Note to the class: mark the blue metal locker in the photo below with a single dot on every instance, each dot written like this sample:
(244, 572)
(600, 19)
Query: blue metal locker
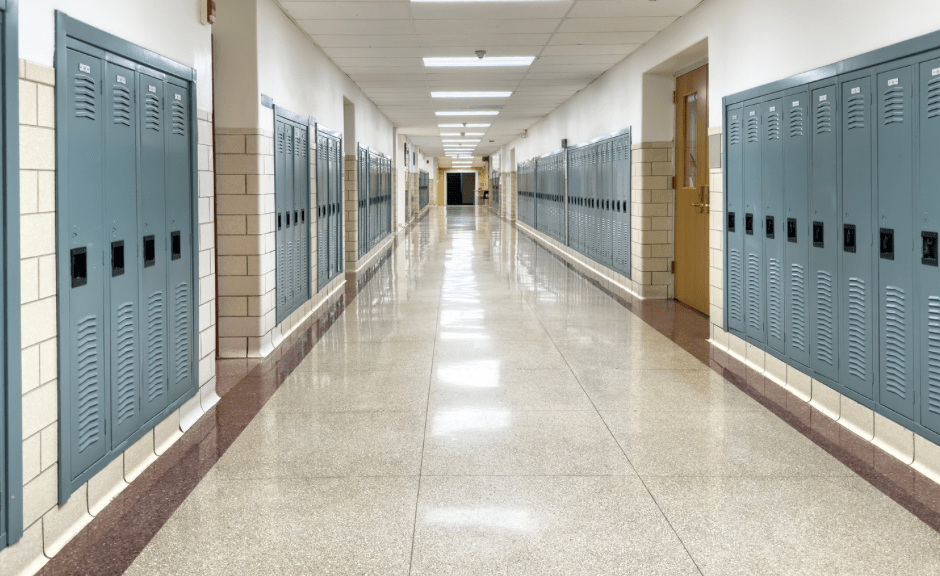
(753, 224)
(334, 254)
(772, 199)
(927, 227)
(894, 135)
(323, 203)
(796, 183)
(301, 207)
(153, 245)
(824, 220)
(122, 260)
(179, 201)
(856, 304)
(80, 260)
(734, 219)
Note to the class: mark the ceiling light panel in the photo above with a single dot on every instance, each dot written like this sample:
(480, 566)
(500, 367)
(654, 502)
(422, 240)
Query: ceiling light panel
(474, 62)
(461, 141)
(468, 113)
(484, 94)
(461, 133)
(463, 125)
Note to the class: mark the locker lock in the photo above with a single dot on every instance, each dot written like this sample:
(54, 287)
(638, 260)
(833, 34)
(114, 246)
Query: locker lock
(887, 243)
(749, 224)
(791, 230)
(848, 237)
(929, 255)
(78, 264)
(176, 245)
(818, 235)
(117, 258)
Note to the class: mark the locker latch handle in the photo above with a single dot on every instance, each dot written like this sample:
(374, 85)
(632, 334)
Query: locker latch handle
(117, 258)
(278, 220)
(818, 235)
(730, 221)
(287, 219)
(887, 243)
(769, 226)
(929, 255)
(176, 245)
(295, 217)
(150, 251)
(749, 224)
(791, 230)
(848, 238)
(78, 263)
(303, 215)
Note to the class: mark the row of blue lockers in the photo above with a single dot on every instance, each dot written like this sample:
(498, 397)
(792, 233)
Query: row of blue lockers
(832, 217)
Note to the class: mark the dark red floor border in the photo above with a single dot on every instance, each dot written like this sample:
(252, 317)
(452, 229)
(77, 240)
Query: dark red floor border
(689, 329)
(120, 532)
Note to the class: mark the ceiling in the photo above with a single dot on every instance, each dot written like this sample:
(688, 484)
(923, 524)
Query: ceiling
(380, 45)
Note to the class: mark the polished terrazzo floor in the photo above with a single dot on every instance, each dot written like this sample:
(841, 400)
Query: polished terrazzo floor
(480, 408)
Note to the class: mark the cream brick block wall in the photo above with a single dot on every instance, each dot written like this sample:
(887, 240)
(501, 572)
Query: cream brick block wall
(351, 210)
(48, 526)
(653, 216)
(716, 235)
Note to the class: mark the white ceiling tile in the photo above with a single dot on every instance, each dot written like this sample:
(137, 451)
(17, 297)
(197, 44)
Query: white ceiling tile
(594, 25)
(366, 40)
(482, 40)
(601, 38)
(357, 27)
(621, 50)
(631, 8)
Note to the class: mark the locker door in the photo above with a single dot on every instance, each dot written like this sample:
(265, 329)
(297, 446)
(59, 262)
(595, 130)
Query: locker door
(179, 199)
(290, 224)
(80, 268)
(856, 303)
(300, 181)
(824, 212)
(927, 226)
(624, 188)
(795, 197)
(280, 227)
(121, 259)
(331, 187)
(323, 192)
(363, 201)
(895, 207)
(153, 246)
(336, 174)
(753, 224)
(772, 194)
(734, 225)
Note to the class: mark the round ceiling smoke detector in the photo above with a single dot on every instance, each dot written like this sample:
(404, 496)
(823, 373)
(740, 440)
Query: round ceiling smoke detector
(480, 54)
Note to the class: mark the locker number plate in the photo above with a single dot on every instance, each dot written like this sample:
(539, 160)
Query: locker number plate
(152, 89)
(796, 103)
(179, 97)
(84, 68)
(856, 90)
(893, 82)
(936, 72)
(824, 97)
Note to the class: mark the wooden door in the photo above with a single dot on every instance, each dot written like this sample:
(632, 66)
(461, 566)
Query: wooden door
(691, 232)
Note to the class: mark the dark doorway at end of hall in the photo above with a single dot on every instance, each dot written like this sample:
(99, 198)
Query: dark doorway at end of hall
(460, 188)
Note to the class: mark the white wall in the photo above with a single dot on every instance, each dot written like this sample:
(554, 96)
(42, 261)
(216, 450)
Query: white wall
(750, 42)
(169, 27)
(299, 76)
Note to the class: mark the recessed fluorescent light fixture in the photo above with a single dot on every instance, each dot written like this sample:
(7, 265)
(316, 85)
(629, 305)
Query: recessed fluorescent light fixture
(484, 94)
(473, 62)
(461, 141)
(468, 113)
(463, 125)
(461, 133)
